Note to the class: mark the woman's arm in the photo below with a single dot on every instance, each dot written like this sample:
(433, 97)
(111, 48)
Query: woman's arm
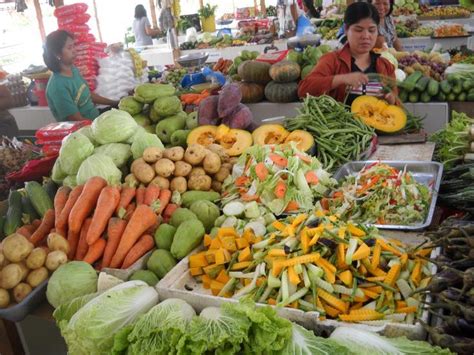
(320, 80)
(99, 100)
(397, 44)
(151, 31)
(76, 117)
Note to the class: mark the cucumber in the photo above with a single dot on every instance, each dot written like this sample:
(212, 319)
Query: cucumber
(413, 97)
(433, 87)
(410, 82)
(451, 97)
(28, 210)
(422, 84)
(13, 217)
(445, 87)
(425, 97)
(441, 96)
(462, 96)
(51, 188)
(457, 89)
(403, 95)
(39, 197)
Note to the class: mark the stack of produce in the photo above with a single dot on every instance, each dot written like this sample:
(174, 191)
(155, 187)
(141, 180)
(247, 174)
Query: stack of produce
(406, 7)
(280, 177)
(363, 197)
(223, 66)
(456, 189)
(445, 11)
(450, 30)
(252, 85)
(339, 137)
(244, 56)
(174, 75)
(284, 85)
(454, 142)
(430, 64)
(328, 28)
(308, 59)
(316, 262)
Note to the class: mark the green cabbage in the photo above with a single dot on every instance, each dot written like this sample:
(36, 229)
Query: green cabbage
(147, 93)
(69, 281)
(70, 181)
(87, 131)
(167, 106)
(75, 148)
(58, 175)
(113, 126)
(119, 152)
(138, 132)
(141, 119)
(143, 141)
(130, 105)
(92, 328)
(99, 165)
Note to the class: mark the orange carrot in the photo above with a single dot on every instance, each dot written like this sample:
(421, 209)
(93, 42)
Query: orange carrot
(24, 231)
(85, 203)
(36, 223)
(140, 197)
(325, 203)
(242, 180)
(95, 251)
(143, 218)
(311, 178)
(280, 189)
(61, 223)
(169, 210)
(280, 161)
(304, 157)
(152, 193)
(73, 240)
(60, 200)
(127, 214)
(106, 204)
(126, 197)
(45, 227)
(114, 233)
(292, 206)
(82, 246)
(143, 246)
(247, 198)
(165, 197)
(261, 171)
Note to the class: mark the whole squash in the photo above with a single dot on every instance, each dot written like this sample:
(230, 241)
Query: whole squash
(252, 92)
(254, 72)
(285, 71)
(281, 92)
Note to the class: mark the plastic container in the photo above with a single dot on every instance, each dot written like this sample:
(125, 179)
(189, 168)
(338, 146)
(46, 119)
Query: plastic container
(56, 131)
(19, 311)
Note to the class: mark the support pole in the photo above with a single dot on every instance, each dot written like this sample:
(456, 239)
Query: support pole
(39, 17)
(201, 4)
(263, 8)
(154, 21)
(97, 20)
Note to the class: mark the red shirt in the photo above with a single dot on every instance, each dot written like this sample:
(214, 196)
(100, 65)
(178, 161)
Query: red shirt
(319, 81)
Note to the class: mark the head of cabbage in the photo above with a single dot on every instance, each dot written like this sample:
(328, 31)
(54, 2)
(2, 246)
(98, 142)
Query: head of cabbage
(58, 175)
(99, 165)
(143, 141)
(75, 148)
(113, 126)
(87, 131)
(119, 152)
(130, 105)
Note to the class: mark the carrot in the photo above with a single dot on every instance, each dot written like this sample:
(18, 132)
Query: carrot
(152, 193)
(45, 227)
(85, 203)
(25, 231)
(60, 200)
(311, 178)
(280, 189)
(165, 198)
(73, 240)
(241, 181)
(127, 214)
(126, 197)
(144, 245)
(169, 210)
(106, 204)
(292, 206)
(305, 158)
(61, 223)
(114, 233)
(247, 198)
(95, 251)
(36, 223)
(325, 203)
(278, 160)
(140, 196)
(142, 219)
(82, 246)
(261, 171)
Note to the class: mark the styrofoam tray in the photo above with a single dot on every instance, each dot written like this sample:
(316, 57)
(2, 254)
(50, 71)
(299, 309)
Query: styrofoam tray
(124, 274)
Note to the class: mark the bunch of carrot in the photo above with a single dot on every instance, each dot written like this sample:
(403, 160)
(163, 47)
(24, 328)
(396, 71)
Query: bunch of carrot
(194, 99)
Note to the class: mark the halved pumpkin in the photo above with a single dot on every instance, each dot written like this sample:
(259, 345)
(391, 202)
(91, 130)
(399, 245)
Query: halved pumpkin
(204, 135)
(304, 140)
(378, 114)
(270, 134)
(236, 142)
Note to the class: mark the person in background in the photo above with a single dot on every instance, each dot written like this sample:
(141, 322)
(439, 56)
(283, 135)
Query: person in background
(142, 28)
(310, 10)
(68, 94)
(387, 31)
(8, 126)
(343, 74)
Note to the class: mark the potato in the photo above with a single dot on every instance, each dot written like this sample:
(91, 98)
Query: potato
(55, 259)
(24, 270)
(152, 154)
(211, 163)
(37, 257)
(3, 260)
(221, 175)
(197, 172)
(219, 150)
(164, 167)
(131, 180)
(137, 162)
(200, 183)
(21, 291)
(37, 276)
(4, 298)
(174, 154)
(216, 186)
(161, 182)
(227, 166)
(195, 154)
(182, 168)
(56, 241)
(144, 173)
(233, 160)
(11, 276)
(179, 184)
(16, 247)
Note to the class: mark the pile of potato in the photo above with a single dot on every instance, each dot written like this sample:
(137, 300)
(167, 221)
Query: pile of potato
(23, 267)
(197, 168)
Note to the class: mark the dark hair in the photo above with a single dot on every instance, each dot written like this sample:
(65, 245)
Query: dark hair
(312, 9)
(53, 48)
(392, 3)
(358, 11)
(140, 12)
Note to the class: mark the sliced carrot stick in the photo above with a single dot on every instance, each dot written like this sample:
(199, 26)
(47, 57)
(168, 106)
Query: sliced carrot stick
(292, 206)
(143, 246)
(261, 171)
(60, 200)
(152, 194)
(140, 197)
(280, 189)
(115, 230)
(165, 198)
(126, 197)
(95, 251)
(86, 203)
(278, 160)
(45, 227)
(61, 223)
(82, 246)
(106, 204)
(311, 178)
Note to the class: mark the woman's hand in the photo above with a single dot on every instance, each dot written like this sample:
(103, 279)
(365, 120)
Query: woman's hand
(355, 79)
(390, 98)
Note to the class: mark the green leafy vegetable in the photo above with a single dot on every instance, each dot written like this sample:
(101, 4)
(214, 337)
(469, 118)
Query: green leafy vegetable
(144, 140)
(119, 152)
(75, 148)
(113, 126)
(99, 165)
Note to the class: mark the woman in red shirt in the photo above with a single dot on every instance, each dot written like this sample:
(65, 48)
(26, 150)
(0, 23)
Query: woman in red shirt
(342, 74)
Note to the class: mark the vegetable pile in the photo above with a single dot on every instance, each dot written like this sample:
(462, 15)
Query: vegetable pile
(457, 188)
(380, 194)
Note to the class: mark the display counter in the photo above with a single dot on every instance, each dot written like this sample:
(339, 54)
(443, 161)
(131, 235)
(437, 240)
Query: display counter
(427, 43)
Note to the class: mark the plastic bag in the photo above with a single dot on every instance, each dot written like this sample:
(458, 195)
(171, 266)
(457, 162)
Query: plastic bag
(70, 10)
(78, 19)
(59, 130)
(34, 170)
